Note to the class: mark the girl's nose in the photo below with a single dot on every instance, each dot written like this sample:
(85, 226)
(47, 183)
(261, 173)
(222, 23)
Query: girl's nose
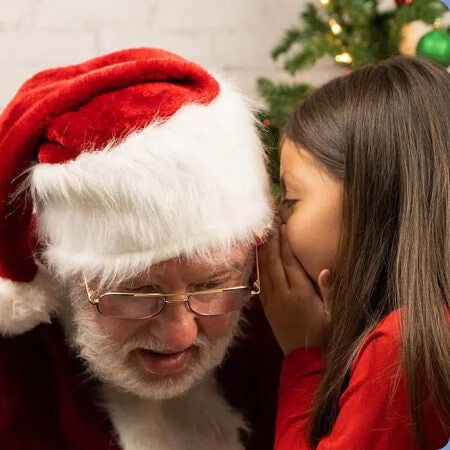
(282, 214)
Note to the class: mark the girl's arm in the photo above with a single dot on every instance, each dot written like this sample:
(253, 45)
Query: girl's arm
(374, 412)
(299, 378)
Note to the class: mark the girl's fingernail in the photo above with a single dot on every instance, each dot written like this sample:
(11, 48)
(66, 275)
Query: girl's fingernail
(283, 228)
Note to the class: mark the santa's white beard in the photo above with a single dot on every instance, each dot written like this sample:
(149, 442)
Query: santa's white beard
(109, 360)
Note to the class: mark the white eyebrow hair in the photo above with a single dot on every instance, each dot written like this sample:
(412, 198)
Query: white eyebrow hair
(233, 267)
(220, 266)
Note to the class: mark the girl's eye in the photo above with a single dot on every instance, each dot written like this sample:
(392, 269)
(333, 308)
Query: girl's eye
(289, 202)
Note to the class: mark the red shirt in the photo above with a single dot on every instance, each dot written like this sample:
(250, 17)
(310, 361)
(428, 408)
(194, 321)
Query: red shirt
(373, 415)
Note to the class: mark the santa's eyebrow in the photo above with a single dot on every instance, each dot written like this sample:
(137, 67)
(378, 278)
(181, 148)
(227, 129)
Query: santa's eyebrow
(222, 270)
(234, 267)
(219, 273)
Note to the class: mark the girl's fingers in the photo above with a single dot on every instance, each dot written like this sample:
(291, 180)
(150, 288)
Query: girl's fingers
(296, 276)
(273, 260)
(265, 280)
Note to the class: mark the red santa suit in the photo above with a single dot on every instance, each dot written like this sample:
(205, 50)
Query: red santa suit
(108, 167)
(47, 401)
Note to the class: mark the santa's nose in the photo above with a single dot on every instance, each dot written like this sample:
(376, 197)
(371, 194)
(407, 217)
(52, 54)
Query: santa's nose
(176, 326)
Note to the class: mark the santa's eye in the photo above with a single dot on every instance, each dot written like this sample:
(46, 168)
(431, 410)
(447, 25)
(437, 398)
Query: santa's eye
(213, 284)
(136, 289)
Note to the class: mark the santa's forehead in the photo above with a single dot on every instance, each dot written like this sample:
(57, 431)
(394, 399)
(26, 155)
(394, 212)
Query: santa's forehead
(192, 268)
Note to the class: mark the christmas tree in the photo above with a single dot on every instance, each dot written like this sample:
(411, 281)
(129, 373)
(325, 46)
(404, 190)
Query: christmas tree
(353, 33)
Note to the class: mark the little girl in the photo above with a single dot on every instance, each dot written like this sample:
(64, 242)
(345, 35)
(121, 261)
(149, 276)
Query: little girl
(356, 276)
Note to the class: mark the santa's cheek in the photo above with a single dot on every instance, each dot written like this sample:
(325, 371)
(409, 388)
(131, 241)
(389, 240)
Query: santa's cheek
(215, 327)
(118, 329)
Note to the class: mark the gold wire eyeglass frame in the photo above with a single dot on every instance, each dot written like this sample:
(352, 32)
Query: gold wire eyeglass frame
(95, 300)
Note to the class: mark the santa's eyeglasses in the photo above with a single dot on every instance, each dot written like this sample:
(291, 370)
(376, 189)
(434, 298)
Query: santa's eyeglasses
(142, 305)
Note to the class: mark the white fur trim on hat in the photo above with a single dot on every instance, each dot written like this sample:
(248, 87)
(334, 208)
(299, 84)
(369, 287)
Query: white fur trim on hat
(24, 305)
(191, 183)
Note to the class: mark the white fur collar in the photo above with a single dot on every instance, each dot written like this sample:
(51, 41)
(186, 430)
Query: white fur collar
(201, 419)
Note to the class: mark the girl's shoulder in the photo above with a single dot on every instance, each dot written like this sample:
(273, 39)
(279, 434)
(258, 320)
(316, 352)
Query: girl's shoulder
(384, 340)
(378, 380)
(388, 331)
(390, 325)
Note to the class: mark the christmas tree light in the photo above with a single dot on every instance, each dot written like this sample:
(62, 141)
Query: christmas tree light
(353, 33)
(344, 58)
(335, 27)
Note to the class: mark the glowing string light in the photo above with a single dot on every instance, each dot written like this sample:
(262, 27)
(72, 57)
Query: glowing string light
(344, 58)
(324, 2)
(335, 27)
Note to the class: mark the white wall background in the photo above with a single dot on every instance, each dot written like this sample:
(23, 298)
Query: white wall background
(233, 36)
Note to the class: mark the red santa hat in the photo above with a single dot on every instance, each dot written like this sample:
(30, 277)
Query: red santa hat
(110, 166)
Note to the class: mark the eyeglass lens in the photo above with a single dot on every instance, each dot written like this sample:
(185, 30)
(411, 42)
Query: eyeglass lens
(141, 307)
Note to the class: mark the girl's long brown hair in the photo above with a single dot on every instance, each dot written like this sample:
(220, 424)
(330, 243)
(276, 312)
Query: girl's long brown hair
(385, 131)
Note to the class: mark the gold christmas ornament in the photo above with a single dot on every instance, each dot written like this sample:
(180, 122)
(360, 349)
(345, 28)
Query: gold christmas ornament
(410, 36)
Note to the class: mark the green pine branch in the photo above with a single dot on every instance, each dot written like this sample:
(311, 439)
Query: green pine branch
(281, 99)
(367, 35)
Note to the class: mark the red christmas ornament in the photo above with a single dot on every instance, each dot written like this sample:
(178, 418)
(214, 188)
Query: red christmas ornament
(403, 2)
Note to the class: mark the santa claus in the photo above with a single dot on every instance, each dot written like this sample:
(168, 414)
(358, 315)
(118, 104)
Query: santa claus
(132, 188)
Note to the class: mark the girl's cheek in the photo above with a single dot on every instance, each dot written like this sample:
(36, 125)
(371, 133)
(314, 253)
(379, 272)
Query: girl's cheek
(306, 249)
(294, 234)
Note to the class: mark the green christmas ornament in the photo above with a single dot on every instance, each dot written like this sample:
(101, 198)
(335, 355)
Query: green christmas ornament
(435, 45)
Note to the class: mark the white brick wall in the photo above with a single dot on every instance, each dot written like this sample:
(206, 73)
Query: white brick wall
(233, 36)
